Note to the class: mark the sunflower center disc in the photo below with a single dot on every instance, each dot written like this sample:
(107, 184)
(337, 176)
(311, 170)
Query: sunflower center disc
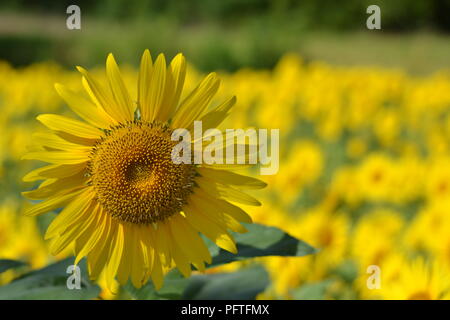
(133, 174)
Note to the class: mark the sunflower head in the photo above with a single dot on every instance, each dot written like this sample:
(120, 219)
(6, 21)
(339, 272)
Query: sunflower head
(127, 207)
(133, 175)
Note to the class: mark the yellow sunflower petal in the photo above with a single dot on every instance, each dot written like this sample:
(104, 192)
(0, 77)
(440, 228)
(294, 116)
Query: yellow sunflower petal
(155, 94)
(124, 269)
(207, 207)
(225, 192)
(145, 74)
(125, 106)
(74, 127)
(226, 207)
(183, 234)
(231, 178)
(58, 157)
(147, 241)
(157, 273)
(116, 254)
(71, 213)
(60, 185)
(72, 233)
(84, 108)
(214, 232)
(215, 117)
(92, 236)
(56, 142)
(181, 261)
(138, 263)
(52, 203)
(195, 104)
(84, 236)
(53, 171)
(76, 139)
(101, 96)
(225, 166)
(174, 85)
(99, 255)
(162, 244)
(47, 182)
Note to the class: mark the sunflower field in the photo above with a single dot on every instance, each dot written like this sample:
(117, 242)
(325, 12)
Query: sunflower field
(93, 205)
(364, 178)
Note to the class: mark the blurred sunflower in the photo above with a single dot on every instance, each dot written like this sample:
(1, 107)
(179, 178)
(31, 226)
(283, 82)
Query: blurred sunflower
(127, 206)
(418, 279)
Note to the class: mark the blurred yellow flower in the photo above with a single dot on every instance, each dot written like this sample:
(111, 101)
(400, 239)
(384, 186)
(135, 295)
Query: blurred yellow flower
(417, 280)
(375, 177)
(374, 236)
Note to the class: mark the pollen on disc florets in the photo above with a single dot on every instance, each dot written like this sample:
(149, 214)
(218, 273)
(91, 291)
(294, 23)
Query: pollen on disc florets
(133, 175)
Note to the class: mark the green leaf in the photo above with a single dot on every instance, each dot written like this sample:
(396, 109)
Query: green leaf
(173, 288)
(312, 291)
(7, 264)
(260, 241)
(347, 271)
(240, 285)
(50, 283)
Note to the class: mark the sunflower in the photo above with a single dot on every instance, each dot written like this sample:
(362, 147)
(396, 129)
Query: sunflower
(126, 206)
(417, 279)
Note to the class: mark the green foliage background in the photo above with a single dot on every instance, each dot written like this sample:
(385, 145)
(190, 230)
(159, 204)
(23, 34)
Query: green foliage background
(226, 34)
